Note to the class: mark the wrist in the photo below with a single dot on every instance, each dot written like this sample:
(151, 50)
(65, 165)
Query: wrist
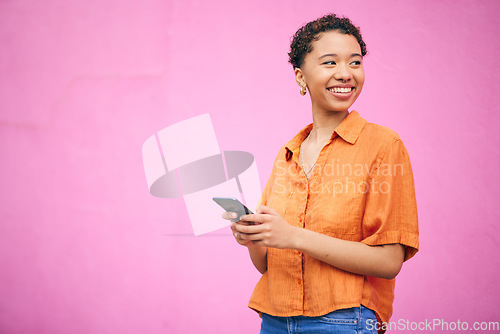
(296, 237)
(250, 245)
(253, 247)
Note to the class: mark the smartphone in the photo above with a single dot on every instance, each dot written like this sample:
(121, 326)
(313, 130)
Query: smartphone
(231, 204)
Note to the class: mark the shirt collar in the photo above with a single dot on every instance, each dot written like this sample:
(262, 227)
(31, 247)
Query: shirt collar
(349, 130)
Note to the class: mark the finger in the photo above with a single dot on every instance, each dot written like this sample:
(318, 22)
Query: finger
(247, 218)
(256, 237)
(229, 215)
(233, 228)
(237, 234)
(248, 229)
(254, 218)
(267, 210)
(240, 240)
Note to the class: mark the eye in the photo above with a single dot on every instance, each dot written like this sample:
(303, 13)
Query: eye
(356, 63)
(331, 62)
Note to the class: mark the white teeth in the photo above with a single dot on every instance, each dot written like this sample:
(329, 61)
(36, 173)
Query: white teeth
(340, 89)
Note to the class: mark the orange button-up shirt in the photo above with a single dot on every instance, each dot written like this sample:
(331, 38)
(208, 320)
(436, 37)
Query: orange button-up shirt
(361, 189)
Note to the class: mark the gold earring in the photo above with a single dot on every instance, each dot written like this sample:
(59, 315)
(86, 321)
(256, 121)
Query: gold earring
(303, 90)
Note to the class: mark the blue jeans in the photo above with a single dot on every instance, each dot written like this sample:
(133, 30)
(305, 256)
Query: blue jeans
(356, 320)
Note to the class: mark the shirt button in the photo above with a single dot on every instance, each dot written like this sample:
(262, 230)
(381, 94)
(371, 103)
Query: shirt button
(299, 281)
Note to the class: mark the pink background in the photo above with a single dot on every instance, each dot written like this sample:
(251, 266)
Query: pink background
(84, 247)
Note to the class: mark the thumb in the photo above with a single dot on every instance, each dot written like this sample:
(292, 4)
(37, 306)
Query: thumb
(267, 210)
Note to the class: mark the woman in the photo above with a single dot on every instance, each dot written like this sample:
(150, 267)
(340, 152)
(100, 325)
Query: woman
(338, 215)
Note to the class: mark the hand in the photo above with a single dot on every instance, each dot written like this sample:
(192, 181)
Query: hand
(271, 230)
(230, 216)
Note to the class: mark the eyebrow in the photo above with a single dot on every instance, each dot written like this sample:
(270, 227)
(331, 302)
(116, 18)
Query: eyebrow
(335, 55)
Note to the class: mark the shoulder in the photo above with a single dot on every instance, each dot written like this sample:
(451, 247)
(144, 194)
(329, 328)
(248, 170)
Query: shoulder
(379, 138)
(379, 143)
(380, 133)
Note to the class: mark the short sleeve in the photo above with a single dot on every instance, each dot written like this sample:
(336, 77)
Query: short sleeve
(390, 215)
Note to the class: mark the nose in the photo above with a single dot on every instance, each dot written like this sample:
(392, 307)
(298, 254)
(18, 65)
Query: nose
(343, 72)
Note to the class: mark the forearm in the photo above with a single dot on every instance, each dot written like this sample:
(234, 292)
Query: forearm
(356, 257)
(258, 255)
(272, 230)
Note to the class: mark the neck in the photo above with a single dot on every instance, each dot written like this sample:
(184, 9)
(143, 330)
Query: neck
(324, 124)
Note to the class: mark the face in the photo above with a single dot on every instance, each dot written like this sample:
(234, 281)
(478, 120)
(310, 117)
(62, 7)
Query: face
(333, 72)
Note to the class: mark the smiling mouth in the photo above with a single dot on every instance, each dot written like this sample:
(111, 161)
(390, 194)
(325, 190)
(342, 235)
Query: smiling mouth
(341, 89)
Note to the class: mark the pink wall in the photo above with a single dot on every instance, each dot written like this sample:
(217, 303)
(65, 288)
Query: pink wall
(84, 247)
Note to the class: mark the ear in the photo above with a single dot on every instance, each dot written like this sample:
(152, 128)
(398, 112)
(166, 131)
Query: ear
(299, 77)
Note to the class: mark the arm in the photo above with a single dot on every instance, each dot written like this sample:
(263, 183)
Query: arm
(258, 254)
(383, 261)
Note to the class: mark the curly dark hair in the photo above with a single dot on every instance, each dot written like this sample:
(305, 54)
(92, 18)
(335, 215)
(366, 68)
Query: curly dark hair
(302, 40)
